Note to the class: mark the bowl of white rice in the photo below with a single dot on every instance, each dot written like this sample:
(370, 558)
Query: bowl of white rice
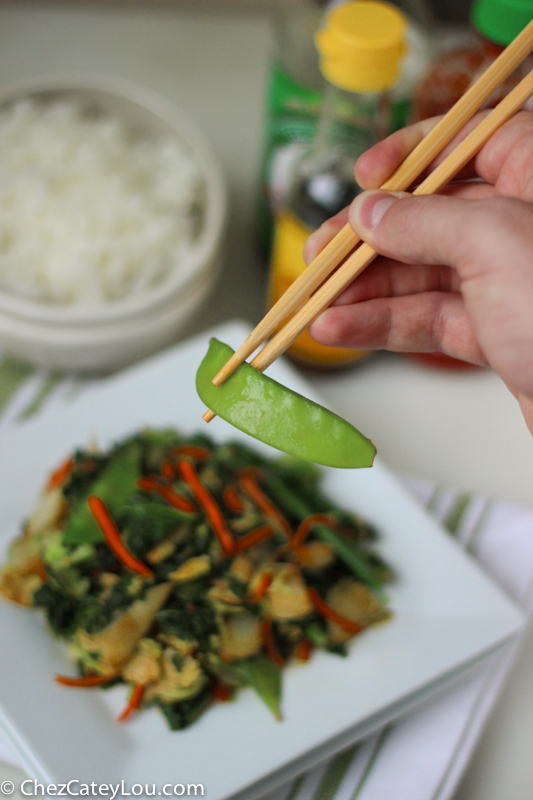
(112, 219)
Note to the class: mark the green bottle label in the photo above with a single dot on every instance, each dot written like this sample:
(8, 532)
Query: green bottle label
(291, 122)
(289, 99)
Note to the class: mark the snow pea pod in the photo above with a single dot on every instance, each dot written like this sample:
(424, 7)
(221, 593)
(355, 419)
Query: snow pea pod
(278, 416)
(265, 678)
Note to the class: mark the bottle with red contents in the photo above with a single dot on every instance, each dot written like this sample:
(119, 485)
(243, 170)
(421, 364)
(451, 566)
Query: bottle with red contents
(496, 23)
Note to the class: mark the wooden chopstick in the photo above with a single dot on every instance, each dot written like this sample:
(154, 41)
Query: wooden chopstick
(364, 255)
(344, 242)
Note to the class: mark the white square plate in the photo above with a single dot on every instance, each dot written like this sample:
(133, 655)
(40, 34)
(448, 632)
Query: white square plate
(447, 615)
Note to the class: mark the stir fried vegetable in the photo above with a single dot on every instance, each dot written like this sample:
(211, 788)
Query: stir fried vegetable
(187, 570)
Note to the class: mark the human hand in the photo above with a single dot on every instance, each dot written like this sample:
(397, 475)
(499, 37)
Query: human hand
(456, 270)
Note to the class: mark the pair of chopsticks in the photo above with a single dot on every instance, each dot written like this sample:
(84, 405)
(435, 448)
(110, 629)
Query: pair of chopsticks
(311, 293)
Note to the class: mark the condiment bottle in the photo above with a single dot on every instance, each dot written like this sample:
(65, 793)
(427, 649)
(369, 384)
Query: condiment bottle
(496, 23)
(360, 51)
(296, 90)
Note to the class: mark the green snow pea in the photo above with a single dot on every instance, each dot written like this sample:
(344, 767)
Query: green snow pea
(265, 678)
(284, 419)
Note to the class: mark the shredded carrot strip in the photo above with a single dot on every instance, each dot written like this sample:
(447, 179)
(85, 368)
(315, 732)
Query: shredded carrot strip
(305, 526)
(168, 494)
(204, 497)
(221, 692)
(303, 651)
(176, 499)
(264, 504)
(84, 682)
(255, 472)
(232, 500)
(133, 703)
(148, 484)
(167, 470)
(327, 612)
(113, 538)
(192, 451)
(268, 638)
(60, 475)
(252, 538)
(262, 587)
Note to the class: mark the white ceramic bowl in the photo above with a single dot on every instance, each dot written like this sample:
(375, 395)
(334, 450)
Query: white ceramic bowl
(108, 336)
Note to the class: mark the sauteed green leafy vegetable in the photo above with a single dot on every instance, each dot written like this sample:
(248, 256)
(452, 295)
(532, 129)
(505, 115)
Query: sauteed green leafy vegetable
(187, 570)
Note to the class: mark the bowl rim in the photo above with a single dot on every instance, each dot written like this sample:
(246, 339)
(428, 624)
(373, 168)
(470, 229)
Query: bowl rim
(202, 250)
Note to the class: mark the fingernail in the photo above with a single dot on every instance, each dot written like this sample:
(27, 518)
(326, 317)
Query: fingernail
(368, 208)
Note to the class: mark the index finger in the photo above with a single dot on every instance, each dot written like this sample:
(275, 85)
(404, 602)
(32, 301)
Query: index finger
(493, 164)
(377, 165)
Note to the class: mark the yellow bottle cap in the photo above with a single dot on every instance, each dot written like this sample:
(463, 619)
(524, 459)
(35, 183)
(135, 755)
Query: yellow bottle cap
(361, 46)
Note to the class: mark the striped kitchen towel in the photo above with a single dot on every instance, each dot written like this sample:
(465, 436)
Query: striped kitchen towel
(422, 755)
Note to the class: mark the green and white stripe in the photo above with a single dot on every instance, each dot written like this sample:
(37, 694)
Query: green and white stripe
(13, 376)
(25, 391)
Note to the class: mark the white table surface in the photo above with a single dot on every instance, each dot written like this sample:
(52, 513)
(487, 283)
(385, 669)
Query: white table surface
(464, 429)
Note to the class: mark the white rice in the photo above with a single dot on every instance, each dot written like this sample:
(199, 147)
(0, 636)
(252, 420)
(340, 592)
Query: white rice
(89, 213)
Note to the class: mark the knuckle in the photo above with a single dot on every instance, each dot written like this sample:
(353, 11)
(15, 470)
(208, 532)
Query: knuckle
(501, 213)
(484, 232)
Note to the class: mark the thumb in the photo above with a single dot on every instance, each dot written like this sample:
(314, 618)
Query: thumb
(415, 230)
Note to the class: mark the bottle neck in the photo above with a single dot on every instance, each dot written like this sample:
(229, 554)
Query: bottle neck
(351, 122)
(296, 53)
(490, 49)
(323, 181)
